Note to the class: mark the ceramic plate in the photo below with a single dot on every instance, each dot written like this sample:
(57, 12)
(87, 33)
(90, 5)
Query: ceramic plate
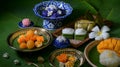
(12, 39)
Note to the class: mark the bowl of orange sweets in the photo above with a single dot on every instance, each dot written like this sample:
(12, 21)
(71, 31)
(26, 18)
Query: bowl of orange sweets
(29, 39)
(66, 57)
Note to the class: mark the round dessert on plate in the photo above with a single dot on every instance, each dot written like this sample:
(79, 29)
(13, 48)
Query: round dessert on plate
(26, 22)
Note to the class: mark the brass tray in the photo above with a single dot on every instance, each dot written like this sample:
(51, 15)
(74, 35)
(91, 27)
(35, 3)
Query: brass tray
(80, 56)
(12, 39)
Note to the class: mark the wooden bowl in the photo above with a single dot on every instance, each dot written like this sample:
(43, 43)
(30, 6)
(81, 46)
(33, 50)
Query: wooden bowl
(88, 49)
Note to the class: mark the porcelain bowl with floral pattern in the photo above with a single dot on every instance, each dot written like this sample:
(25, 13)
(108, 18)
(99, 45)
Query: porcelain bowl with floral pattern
(52, 10)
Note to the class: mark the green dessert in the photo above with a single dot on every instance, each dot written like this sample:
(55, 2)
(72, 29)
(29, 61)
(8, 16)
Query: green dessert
(68, 33)
(80, 34)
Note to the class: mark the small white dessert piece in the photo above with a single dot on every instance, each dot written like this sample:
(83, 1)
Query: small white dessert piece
(68, 33)
(80, 34)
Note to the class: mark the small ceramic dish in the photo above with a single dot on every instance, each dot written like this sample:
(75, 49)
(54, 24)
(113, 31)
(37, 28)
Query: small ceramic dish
(21, 25)
(12, 39)
(55, 63)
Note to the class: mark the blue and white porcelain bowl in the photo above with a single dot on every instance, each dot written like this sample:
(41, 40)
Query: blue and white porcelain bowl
(52, 12)
(46, 8)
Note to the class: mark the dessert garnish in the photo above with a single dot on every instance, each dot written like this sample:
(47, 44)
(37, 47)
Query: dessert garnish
(99, 34)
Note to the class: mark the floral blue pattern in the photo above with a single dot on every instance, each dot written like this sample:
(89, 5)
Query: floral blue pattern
(52, 12)
(59, 4)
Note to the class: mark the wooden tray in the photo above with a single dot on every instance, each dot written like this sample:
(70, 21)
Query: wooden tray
(58, 32)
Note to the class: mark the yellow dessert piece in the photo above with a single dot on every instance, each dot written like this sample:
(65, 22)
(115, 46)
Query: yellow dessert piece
(23, 45)
(38, 43)
(69, 64)
(72, 58)
(30, 44)
(109, 44)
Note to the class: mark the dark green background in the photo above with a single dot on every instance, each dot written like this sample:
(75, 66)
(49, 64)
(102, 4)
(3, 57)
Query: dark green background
(13, 11)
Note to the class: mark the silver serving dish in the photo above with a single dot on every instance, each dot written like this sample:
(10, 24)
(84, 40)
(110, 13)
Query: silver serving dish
(12, 39)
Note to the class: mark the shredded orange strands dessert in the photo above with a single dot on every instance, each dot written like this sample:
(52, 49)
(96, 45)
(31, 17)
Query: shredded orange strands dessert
(62, 57)
(30, 40)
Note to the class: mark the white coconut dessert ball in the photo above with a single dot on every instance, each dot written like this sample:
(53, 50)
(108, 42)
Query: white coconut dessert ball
(109, 58)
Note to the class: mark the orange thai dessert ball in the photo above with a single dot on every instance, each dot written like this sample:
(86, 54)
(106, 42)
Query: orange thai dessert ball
(33, 38)
(23, 45)
(40, 38)
(38, 43)
(30, 44)
(30, 40)
(30, 33)
(21, 39)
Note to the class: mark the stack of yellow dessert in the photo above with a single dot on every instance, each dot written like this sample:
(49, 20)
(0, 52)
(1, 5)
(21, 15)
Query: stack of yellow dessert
(109, 44)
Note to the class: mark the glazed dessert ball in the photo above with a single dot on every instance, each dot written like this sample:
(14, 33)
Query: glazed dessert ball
(26, 22)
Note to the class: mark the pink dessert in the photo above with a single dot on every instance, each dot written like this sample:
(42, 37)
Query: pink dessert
(26, 22)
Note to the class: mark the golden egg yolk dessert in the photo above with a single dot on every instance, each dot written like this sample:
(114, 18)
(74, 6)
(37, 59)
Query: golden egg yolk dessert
(30, 40)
